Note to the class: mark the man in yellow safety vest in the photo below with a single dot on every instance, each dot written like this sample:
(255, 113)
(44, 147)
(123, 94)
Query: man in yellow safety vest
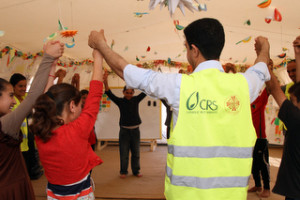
(212, 136)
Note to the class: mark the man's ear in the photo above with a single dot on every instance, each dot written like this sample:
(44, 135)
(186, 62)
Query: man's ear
(195, 50)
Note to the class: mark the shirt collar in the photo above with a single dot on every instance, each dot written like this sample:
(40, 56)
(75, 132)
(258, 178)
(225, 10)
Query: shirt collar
(208, 65)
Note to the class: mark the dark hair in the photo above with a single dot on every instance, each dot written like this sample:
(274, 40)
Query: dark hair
(124, 89)
(49, 106)
(295, 90)
(3, 84)
(84, 92)
(16, 78)
(207, 35)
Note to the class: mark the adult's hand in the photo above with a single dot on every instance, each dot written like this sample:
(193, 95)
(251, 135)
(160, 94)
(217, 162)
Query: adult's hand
(54, 48)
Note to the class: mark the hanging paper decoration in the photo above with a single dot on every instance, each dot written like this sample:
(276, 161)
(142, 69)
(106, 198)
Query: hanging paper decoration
(277, 15)
(68, 33)
(281, 55)
(284, 49)
(148, 49)
(202, 7)
(64, 32)
(173, 4)
(245, 59)
(143, 56)
(268, 20)
(178, 56)
(264, 4)
(71, 45)
(2, 33)
(178, 27)
(112, 44)
(244, 40)
(137, 59)
(140, 14)
(248, 22)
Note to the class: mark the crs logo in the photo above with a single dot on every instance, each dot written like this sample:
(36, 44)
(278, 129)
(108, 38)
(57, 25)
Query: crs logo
(232, 104)
(194, 101)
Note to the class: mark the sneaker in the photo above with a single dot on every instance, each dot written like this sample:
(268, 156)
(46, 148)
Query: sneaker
(138, 175)
(123, 176)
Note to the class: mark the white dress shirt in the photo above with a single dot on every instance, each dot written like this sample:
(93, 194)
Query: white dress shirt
(167, 86)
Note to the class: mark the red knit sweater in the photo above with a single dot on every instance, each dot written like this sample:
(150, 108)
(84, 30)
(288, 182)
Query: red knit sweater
(68, 157)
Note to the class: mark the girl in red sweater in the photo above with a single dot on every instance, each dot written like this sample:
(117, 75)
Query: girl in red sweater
(62, 130)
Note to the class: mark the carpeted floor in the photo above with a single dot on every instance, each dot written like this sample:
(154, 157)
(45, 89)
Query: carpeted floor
(150, 186)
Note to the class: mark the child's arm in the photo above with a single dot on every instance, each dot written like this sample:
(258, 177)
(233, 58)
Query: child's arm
(11, 122)
(51, 77)
(274, 88)
(105, 81)
(98, 65)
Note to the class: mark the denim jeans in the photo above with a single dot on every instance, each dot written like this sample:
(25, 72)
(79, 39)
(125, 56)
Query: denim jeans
(129, 139)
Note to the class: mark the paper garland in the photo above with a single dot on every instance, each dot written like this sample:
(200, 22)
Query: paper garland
(12, 53)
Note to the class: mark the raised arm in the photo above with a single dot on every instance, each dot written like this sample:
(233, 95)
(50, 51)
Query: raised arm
(51, 77)
(274, 89)
(114, 60)
(60, 74)
(257, 74)
(296, 45)
(98, 66)
(262, 48)
(76, 81)
(11, 122)
(105, 81)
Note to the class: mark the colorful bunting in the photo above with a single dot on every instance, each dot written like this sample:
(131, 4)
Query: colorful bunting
(12, 54)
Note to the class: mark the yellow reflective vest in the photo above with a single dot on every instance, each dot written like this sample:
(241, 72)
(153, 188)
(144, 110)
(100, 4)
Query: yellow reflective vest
(24, 129)
(210, 148)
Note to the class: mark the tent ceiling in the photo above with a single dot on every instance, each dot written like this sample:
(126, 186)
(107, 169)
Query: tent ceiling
(28, 22)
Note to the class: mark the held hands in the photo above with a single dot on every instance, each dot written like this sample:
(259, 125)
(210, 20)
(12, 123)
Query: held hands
(95, 38)
(262, 45)
(296, 45)
(54, 48)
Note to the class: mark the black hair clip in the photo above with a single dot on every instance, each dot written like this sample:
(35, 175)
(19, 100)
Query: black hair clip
(50, 95)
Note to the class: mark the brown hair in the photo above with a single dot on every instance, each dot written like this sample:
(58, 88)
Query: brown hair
(49, 106)
(3, 84)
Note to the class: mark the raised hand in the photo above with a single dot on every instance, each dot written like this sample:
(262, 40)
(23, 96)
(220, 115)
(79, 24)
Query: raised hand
(261, 44)
(60, 73)
(54, 48)
(95, 38)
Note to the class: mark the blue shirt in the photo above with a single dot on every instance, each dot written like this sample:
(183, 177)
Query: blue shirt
(167, 86)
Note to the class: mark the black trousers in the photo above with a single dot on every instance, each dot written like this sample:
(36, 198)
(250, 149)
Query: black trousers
(260, 165)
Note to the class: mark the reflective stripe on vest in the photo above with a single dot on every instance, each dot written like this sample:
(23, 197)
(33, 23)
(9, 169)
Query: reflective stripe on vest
(207, 183)
(210, 152)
